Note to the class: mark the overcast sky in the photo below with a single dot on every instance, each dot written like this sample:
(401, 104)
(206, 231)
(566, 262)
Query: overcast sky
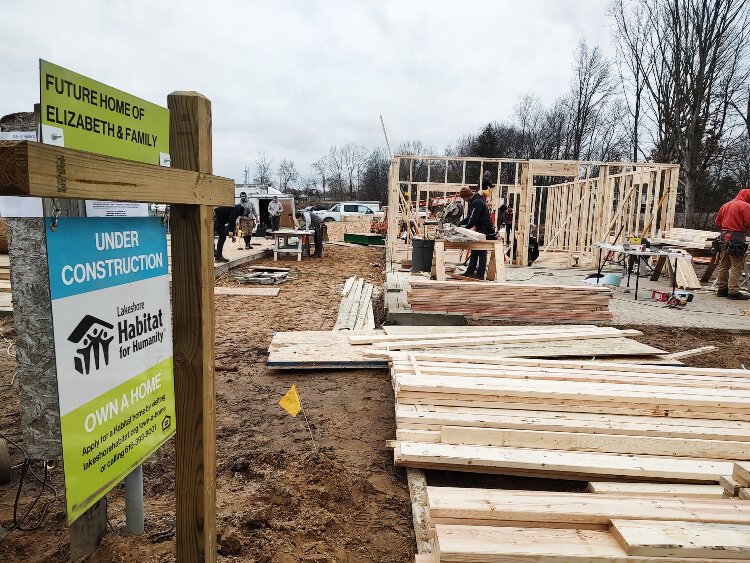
(293, 78)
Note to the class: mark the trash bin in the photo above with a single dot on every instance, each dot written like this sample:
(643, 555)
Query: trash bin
(421, 254)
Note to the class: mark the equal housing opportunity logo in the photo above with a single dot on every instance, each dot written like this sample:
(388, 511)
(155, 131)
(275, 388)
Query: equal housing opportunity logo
(91, 333)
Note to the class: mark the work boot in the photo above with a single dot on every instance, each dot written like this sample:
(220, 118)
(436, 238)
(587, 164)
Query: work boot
(722, 292)
(221, 259)
(738, 296)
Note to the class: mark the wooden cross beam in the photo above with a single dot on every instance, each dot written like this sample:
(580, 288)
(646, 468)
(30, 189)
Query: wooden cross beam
(34, 169)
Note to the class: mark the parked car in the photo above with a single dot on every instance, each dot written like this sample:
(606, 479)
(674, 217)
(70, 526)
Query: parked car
(348, 209)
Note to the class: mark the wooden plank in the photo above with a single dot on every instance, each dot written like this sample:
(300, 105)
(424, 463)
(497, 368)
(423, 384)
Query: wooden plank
(419, 508)
(741, 472)
(34, 169)
(472, 544)
(581, 348)
(587, 365)
(403, 366)
(691, 540)
(571, 441)
(556, 168)
(436, 416)
(730, 485)
(586, 464)
(248, 291)
(495, 506)
(655, 490)
(318, 350)
(701, 398)
(539, 333)
(458, 341)
(193, 306)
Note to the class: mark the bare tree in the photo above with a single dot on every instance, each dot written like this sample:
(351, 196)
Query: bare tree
(288, 175)
(321, 169)
(353, 157)
(263, 169)
(694, 69)
(589, 91)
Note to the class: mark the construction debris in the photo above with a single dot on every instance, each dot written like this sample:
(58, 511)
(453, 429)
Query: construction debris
(265, 275)
(248, 291)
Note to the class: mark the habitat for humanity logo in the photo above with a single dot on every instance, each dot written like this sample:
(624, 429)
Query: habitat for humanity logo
(91, 333)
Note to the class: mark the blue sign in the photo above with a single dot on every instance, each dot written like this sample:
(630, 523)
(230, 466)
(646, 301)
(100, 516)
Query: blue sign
(91, 253)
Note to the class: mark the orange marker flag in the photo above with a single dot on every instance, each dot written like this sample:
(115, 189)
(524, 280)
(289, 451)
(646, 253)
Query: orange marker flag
(291, 402)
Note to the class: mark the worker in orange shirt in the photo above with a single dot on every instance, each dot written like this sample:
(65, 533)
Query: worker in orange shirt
(733, 220)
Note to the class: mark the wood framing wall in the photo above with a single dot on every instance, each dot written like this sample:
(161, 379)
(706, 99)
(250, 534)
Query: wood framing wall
(567, 205)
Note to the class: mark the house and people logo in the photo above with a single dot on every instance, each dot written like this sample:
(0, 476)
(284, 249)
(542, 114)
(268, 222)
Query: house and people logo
(93, 337)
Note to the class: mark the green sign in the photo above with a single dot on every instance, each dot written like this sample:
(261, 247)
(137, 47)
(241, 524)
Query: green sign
(80, 113)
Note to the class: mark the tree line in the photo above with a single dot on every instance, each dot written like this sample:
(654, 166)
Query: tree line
(676, 92)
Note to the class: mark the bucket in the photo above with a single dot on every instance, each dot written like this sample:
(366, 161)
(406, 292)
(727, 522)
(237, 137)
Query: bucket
(421, 254)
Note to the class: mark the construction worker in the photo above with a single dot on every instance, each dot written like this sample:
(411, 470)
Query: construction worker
(225, 219)
(247, 222)
(275, 209)
(733, 220)
(315, 224)
(477, 218)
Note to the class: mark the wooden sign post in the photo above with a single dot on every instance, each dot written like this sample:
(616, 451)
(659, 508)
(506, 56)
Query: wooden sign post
(33, 169)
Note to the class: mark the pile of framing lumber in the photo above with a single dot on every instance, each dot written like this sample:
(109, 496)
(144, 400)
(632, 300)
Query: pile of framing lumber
(569, 419)
(473, 525)
(371, 349)
(687, 238)
(512, 300)
(355, 309)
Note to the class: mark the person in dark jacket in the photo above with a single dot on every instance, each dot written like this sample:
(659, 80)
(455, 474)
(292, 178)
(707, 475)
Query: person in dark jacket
(478, 218)
(225, 218)
(734, 221)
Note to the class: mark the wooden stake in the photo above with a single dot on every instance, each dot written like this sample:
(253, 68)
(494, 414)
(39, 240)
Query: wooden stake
(193, 305)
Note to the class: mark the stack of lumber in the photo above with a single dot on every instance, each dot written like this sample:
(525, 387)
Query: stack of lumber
(473, 525)
(737, 485)
(355, 309)
(687, 238)
(569, 419)
(370, 349)
(512, 300)
(482, 337)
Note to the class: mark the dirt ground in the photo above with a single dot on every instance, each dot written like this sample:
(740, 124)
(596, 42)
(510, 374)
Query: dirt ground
(281, 499)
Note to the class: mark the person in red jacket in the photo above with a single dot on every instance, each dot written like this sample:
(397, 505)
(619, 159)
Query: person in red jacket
(734, 221)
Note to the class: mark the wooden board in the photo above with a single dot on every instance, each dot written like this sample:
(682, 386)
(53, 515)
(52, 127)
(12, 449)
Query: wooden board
(691, 540)
(571, 441)
(473, 544)
(496, 506)
(35, 169)
(741, 472)
(318, 350)
(489, 459)
(248, 291)
(655, 490)
(580, 348)
(432, 417)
